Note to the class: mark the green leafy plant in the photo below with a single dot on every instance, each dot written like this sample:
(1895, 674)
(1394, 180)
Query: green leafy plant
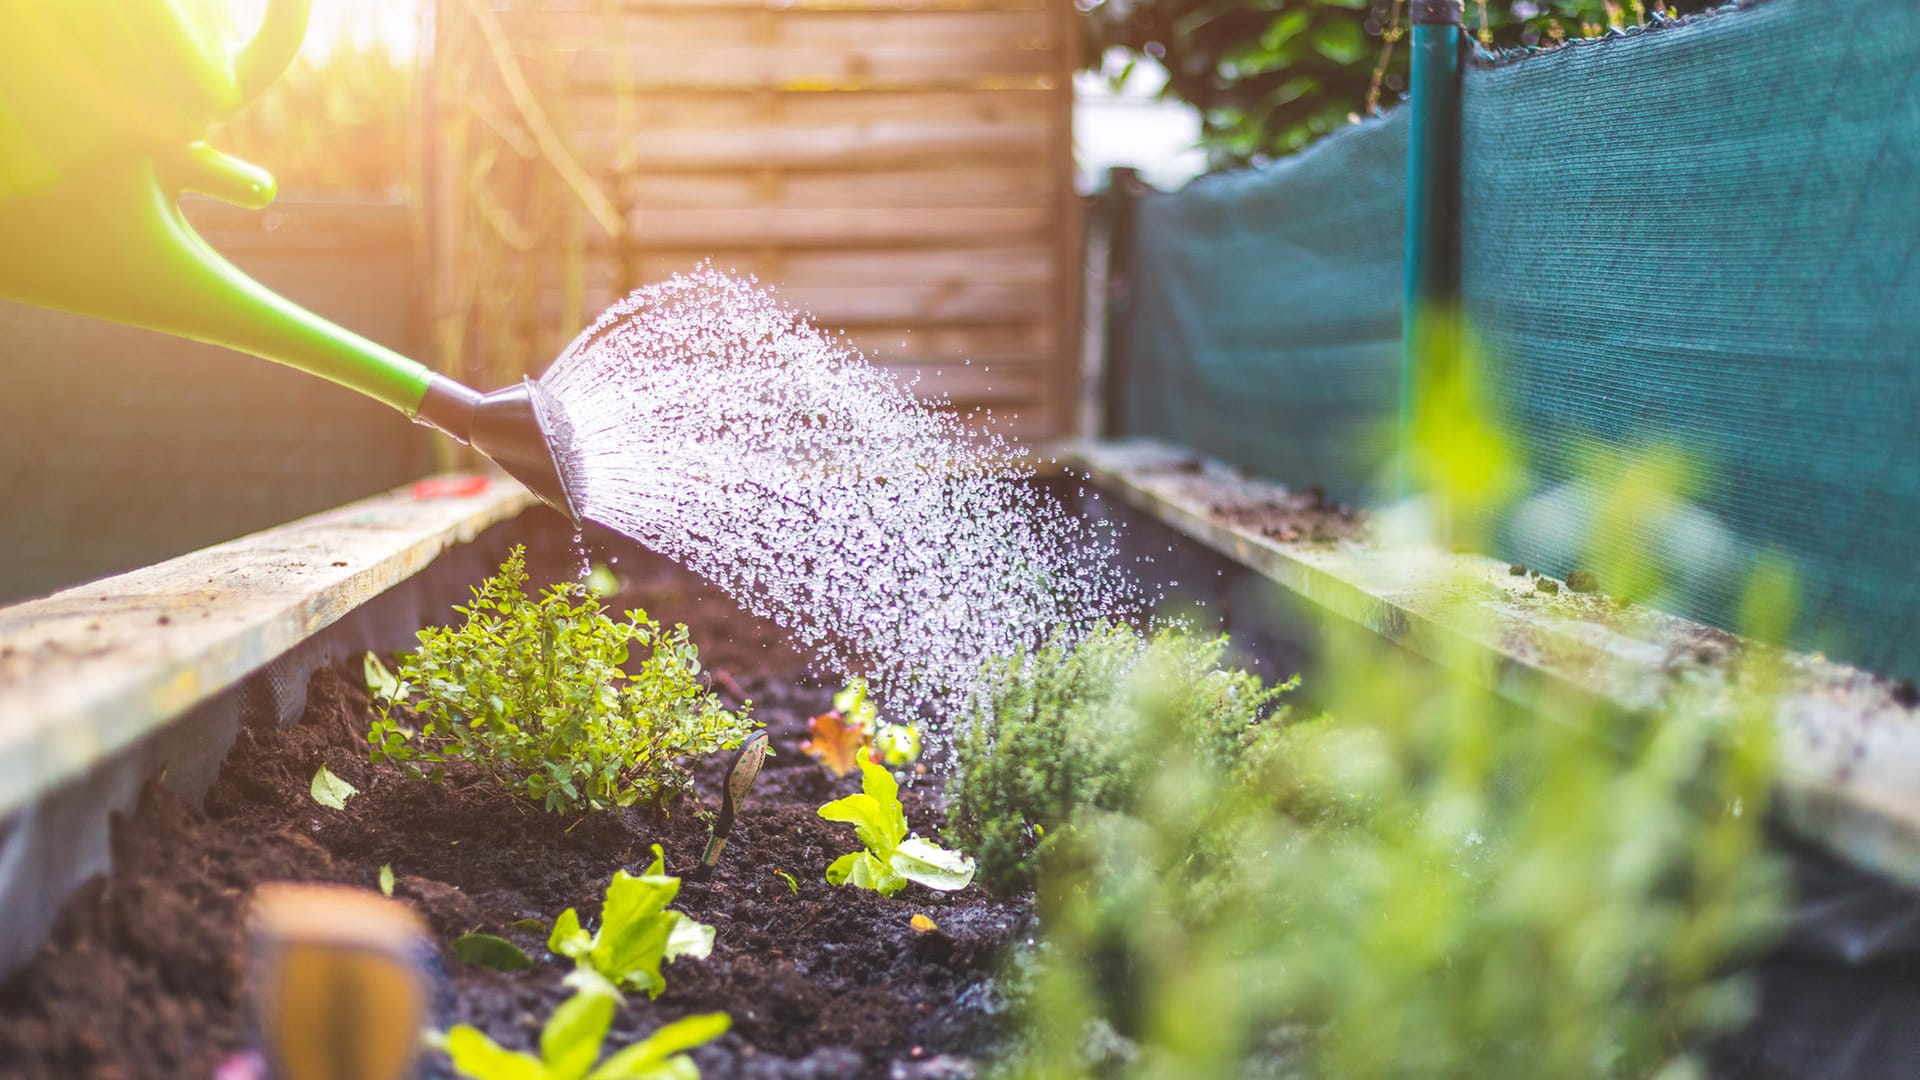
(570, 1045)
(1268, 78)
(1056, 732)
(535, 691)
(891, 856)
(637, 933)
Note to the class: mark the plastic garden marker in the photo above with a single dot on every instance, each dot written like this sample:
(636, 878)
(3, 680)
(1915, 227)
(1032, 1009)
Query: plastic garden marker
(740, 777)
(103, 112)
(338, 982)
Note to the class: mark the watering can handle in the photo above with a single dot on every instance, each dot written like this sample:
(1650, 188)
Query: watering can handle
(282, 29)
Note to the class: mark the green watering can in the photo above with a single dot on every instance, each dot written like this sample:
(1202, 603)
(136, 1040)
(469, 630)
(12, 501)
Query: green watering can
(104, 105)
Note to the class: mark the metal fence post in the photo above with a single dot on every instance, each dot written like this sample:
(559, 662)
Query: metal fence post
(1122, 199)
(1433, 208)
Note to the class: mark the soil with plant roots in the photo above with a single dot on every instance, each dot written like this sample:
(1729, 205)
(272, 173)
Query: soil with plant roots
(145, 973)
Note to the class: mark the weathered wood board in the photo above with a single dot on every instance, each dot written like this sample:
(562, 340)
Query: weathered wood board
(90, 671)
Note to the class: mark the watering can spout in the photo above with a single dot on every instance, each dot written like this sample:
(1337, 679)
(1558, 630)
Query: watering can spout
(520, 428)
(103, 119)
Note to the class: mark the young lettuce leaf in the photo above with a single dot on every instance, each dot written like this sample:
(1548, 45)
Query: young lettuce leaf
(891, 857)
(637, 933)
(571, 1041)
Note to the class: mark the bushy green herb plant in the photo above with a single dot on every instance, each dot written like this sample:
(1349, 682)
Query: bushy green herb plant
(1056, 732)
(889, 857)
(570, 1045)
(637, 933)
(534, 690)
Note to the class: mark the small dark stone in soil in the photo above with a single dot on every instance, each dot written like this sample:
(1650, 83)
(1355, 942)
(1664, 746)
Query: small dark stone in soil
(1546, 585)
(1905, 694)
(1583, 581)
(1518, 569)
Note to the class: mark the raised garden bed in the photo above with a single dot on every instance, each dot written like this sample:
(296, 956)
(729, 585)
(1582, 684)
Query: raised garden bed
(143, 972)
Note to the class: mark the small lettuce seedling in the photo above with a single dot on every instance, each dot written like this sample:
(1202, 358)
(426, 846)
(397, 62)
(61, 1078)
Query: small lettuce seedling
(637, 934)
(891, 856)
(570, 1044)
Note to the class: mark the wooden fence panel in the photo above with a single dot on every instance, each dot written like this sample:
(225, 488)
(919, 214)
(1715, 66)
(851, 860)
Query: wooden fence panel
(900, 169)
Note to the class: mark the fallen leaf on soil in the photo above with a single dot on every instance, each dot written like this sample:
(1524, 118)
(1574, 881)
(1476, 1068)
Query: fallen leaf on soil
(485, 950)
(835, 742)
(923, 925)
(331, 791)
(386, 879)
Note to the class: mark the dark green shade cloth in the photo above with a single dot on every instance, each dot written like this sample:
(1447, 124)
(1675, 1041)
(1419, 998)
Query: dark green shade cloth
(1703, 236)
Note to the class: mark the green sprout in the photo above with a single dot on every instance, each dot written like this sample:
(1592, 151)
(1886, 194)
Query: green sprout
(571, 1040)
(637, 933)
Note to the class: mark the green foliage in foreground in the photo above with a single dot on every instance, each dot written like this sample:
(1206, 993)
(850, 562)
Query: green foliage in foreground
(535, 691)
(637, 933)
(1425, 884)
(889, 857)
(570, 1044)
(1059, 732)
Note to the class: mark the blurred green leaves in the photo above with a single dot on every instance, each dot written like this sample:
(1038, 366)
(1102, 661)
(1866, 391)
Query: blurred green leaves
(1270, 76)
(1425, 882)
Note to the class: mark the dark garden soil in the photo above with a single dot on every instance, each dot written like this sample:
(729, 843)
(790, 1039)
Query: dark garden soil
(144, 974)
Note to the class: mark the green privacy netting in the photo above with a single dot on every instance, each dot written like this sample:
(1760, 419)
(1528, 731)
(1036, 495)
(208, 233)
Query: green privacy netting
(1704, 235)
(1263, 322)
(1709, 235)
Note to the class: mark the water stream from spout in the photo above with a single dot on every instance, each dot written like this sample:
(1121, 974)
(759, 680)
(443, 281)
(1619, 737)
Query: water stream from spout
(719, 427)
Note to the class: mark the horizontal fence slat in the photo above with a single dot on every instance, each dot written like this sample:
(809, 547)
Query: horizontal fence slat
(721, 230)
(710, 26)
(670, 108)
(911, 344)
(899, 145)
(848, 67)
(975, 186)
(1028, 265)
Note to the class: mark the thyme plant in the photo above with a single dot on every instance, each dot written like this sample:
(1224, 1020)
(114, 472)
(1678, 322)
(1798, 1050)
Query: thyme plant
(536, 692)
(1056, 733)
